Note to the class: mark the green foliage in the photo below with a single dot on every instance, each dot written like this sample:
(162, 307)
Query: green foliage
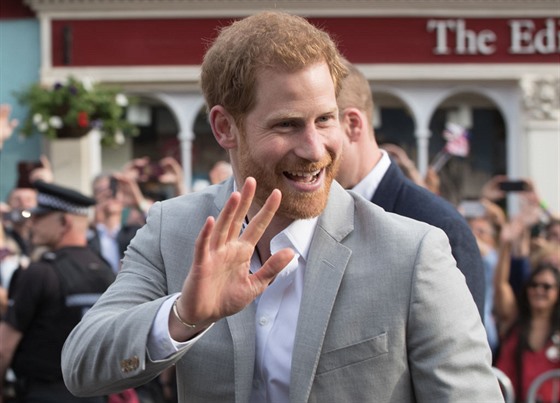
(74, 108)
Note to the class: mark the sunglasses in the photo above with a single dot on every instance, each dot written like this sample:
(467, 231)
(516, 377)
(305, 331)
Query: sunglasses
(544, 286)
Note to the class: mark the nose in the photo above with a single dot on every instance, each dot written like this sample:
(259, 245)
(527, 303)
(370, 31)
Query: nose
(311, 144)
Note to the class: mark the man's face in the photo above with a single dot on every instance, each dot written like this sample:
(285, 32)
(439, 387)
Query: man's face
(23, 199)
(47, 229)
(291, 139)
(106, 202)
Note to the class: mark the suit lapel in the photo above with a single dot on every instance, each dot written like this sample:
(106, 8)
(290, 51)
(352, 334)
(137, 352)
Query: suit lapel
(388, 190)
(242, 328)
(324, 271)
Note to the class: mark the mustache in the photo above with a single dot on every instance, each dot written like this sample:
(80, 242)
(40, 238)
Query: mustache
(303, 165)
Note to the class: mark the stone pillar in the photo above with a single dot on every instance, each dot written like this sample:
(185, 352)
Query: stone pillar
(541, 104)
(76, 161)
(423, 143)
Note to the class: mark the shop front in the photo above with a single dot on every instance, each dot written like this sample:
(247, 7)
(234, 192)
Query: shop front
(490, 67)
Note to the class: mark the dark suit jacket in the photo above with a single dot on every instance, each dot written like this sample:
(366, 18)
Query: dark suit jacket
(124, 237)
(397, 194)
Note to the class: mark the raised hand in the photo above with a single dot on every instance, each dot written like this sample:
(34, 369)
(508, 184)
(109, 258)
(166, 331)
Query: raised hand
(219, 283)
(7, 126)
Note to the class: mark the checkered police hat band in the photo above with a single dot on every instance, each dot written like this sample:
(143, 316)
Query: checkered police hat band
(56, 203)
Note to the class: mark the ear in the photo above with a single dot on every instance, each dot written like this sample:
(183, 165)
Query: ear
(224, 127)
(353, 123)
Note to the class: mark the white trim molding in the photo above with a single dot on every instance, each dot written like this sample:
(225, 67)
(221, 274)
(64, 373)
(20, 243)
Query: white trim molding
(316, 8)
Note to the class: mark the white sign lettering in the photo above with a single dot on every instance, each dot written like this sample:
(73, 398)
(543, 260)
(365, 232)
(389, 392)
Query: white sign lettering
(453, 37)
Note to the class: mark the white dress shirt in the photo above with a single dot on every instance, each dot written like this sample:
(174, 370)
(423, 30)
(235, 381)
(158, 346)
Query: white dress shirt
(368, 185)
(277, 311)
(109, 245)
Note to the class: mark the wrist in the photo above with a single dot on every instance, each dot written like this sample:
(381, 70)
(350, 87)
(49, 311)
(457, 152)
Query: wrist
(185, 322)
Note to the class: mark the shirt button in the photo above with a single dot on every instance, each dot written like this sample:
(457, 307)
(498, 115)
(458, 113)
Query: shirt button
(263, 321)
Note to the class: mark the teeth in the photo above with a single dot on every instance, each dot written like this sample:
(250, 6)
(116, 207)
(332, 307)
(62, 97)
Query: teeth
(304, 174)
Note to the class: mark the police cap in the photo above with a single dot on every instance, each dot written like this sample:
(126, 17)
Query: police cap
(53, 197)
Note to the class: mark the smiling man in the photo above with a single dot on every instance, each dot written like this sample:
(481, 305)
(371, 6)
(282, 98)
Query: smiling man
(278, 285)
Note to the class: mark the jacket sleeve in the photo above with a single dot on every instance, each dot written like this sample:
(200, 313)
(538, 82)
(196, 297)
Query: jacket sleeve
(449, 356)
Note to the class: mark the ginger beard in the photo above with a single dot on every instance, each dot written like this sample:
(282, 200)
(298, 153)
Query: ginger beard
(295, 204)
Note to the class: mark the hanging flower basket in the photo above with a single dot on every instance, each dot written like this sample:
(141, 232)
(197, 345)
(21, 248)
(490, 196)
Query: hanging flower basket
(74, 108)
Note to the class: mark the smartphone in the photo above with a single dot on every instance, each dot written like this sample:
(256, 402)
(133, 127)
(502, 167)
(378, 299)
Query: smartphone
(513, 186)
(24, 172)
(150, 172)
(113, 186)
(472, 209)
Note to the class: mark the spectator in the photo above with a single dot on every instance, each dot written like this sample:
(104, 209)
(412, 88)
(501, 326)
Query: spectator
(531, 344)
(485, 220)
(526, 303)
(220, 171)
(111, 232)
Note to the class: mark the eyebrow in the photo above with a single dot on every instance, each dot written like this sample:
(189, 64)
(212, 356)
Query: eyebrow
(289, 115)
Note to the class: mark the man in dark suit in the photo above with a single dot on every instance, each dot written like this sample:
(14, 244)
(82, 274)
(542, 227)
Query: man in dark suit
(368, 170)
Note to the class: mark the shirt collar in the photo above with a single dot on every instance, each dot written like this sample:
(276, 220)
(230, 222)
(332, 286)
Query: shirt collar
(367, 186)
(297, 235)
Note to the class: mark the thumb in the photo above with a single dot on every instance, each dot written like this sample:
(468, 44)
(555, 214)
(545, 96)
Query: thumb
(274, 265)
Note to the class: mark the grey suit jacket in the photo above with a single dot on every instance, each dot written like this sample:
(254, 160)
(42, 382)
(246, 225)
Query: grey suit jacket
(372, 324)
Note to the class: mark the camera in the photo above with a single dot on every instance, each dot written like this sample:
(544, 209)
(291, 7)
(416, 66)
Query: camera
(513, 186)
(16, 216)
(150, 172)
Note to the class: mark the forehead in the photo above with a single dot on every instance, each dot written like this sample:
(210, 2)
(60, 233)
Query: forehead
(44, 216)
(284, 90)
(545, 275)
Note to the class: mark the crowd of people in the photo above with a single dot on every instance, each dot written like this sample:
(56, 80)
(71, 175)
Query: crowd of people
(213, 308)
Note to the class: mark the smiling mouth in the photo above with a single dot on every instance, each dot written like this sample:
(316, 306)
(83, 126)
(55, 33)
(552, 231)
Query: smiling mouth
(303, 177)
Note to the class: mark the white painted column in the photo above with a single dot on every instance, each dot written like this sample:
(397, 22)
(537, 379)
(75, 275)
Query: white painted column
(185, 108)
(423, 135)
(541, 101)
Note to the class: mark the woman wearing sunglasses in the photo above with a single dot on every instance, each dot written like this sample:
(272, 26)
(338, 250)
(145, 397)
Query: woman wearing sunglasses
(529, 322)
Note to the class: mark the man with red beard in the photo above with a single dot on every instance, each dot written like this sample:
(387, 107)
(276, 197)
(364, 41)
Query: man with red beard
(278, 285)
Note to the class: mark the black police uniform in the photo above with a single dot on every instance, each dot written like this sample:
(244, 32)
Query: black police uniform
(47, 300)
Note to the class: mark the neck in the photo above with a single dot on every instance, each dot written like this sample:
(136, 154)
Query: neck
(66, 242)
(112, 221)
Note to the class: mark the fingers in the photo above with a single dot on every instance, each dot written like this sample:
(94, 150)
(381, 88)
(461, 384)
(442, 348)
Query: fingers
(247, 195)
(262, 219)
(223, 224)
(202, 242)
(231, 218)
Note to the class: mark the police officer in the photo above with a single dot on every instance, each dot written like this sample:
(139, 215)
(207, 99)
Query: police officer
(49, 297)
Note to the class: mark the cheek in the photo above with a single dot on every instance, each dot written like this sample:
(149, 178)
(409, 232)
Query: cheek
(336, 142)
